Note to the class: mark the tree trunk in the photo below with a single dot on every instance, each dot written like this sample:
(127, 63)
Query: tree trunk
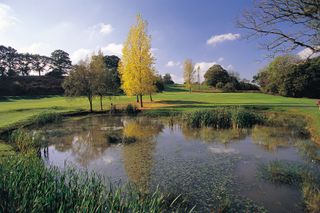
(101, 107)
(141, 102)
(190, 89)
(39, 73)
(137, 99)
(90, 102)
(151, 98)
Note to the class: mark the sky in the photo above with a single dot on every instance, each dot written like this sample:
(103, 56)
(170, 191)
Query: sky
(202, 30)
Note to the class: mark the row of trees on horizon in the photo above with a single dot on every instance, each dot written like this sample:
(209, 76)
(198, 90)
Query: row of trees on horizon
(13, 63)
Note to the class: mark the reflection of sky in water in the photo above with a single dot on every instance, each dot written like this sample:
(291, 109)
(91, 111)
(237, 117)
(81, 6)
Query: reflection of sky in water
(202, 164)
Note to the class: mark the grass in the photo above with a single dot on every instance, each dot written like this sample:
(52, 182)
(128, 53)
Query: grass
(14, 110)
(27, 185)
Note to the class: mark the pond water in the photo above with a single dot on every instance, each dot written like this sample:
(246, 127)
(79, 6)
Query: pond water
(206, 166)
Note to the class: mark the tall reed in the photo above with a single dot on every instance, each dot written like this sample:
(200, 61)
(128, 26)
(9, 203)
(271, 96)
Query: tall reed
(222, 118)
(27, 185)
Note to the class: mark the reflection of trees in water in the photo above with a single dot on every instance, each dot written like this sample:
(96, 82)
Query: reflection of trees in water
(138, 156)
(85, 138)
(271, 138)
(212, 135)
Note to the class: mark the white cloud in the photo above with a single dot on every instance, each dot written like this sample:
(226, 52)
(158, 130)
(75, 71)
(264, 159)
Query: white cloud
(177, 79)
(83, 53)
(7, 20)
(80, 54)
(37, 48)
(230, 67)
(305, 53)
(99, 29)
(105, 28)
(173, 63)
(113, 49)
(221, 38)
(220, 59)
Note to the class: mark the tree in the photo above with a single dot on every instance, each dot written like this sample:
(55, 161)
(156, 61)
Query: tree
(159, 83)
(289, 76)
(198, 76)
(8, 61)
(271, 78)
(112, 63)
(61, 63)
(40, 63)
(98, 69)
(216, 74)
(188, 73)
(167, 79)
(81, 81)
(25, 64)
(287, 24)
(136, 66)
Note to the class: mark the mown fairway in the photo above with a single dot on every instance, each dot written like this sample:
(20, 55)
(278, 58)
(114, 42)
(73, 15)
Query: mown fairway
(17, 109)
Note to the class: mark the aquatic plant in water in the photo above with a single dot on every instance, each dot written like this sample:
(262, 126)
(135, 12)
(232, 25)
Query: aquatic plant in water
(222, 118)
(305, 177)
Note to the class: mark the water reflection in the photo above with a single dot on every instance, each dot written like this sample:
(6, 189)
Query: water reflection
(203, 164)
(138, 157)
(271, 138)
(209, 135)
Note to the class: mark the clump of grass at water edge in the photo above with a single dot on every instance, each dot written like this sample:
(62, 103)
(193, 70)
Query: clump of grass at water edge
(306, 178)
(222, 118)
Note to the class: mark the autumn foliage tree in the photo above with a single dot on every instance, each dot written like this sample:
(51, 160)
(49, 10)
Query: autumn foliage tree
(188, 73)
(136, 66)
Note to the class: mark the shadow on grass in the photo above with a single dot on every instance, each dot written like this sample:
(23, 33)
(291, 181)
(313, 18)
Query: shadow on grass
(174, 88)
(181, 102)
(247, 106)
(16, 98)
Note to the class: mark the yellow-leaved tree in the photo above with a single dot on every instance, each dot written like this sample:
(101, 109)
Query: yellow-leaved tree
(188, 73)
(136, 66)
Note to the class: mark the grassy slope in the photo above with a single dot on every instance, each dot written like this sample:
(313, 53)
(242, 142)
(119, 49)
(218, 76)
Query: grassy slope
(175, 99)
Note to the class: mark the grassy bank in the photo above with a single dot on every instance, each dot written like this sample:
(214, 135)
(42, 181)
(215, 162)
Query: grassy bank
(15, 110)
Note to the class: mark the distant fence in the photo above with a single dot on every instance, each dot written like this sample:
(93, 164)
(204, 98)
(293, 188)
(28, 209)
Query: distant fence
(31, 85)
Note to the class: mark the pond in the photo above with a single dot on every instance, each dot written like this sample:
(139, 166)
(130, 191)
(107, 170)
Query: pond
(208, 167)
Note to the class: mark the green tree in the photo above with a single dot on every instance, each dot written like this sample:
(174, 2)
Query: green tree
(81, 82)
(216, 74)
(167, 79)
(98, 69)
(61, 63)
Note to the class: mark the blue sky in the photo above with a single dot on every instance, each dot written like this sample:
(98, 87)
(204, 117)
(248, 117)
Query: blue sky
(180, 29)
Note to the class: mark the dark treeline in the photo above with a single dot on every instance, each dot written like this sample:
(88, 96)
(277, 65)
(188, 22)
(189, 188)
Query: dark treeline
(13, 63)
(290, 76)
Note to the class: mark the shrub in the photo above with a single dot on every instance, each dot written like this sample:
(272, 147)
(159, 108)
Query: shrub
(26, 141)
(131, 109)
(46, 117)
(229, 87)
(220, 85)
